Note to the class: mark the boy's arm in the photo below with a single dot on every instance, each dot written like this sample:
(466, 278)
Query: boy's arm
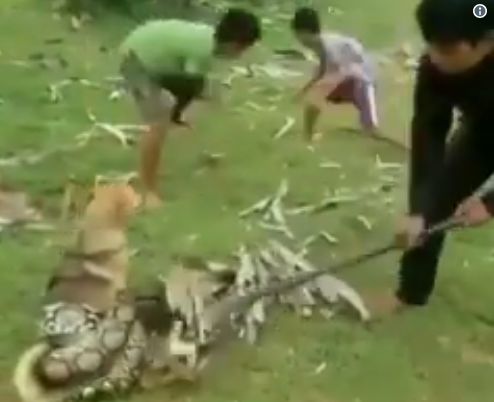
(319, 72)
(212, 82)
(200, 68)
(197, 65)
(432, 117)
(328, 77)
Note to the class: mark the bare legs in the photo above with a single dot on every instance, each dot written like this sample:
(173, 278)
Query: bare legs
(311, 115)
(315, 101)
(337, 90)
(150, 158)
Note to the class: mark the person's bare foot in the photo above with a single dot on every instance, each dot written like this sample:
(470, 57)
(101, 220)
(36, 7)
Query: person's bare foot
(384, 304)
(312, 139)
(152, 200)
(317, 137)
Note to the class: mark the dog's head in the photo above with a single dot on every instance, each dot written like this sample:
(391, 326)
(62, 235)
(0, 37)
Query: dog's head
(117, 201)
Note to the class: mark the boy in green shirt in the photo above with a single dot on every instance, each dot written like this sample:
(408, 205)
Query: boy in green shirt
(165, 64)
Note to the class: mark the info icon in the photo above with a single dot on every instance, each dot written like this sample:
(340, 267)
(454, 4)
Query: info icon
(480, 11)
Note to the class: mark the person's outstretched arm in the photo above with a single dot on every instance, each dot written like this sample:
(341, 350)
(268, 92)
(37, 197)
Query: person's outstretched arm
(319, 71)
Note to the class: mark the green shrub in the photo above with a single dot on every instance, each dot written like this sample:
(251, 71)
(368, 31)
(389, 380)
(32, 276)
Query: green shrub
(142, 9)
(133, 8)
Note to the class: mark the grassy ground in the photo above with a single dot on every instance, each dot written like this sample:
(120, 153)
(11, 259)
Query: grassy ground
(441, 354)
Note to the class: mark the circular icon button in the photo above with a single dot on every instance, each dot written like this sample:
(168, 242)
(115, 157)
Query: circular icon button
(480, 11)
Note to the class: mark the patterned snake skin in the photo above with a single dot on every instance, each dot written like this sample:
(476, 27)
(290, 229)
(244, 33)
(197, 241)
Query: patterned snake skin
(106, 353)
(92, 351)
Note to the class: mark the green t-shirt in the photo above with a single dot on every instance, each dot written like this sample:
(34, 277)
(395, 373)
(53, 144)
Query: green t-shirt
(172, 47)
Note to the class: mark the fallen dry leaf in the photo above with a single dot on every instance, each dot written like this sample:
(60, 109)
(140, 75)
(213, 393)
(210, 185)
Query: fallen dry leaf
(335, 11)
(473, 355)
(210, 160)
(75, 23)
(330, 165)
(365, 222)
(387, 165)
(289, 123)
(319, 369)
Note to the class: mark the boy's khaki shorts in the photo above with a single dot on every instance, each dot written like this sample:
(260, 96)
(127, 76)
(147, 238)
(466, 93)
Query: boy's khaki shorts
(159, 99)
(153, 102)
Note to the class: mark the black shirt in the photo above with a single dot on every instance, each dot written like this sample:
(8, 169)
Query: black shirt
(436, 95)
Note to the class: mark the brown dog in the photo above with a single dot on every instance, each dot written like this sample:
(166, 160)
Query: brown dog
(94, 275)
(96, 272)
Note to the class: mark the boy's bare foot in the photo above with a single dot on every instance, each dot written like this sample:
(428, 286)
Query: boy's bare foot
(311, 140)
(384, 304)
(317, 137)
(152, 200)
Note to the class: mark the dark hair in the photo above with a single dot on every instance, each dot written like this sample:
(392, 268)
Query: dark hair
(238, 26)
(452, 21)
(306, 19)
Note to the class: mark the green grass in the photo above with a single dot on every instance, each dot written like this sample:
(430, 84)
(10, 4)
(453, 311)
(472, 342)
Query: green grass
(439, 354)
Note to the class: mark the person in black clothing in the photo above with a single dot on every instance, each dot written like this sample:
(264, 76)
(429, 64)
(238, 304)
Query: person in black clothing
(455, 72)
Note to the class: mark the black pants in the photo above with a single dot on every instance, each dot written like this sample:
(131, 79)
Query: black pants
(468, 164)
(184, 90)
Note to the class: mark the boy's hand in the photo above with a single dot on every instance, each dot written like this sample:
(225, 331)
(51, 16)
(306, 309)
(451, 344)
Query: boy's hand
(410, 230)
(183, 123)
(473, 212)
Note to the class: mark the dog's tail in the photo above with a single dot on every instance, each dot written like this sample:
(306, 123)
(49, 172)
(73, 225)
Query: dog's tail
(30, 387)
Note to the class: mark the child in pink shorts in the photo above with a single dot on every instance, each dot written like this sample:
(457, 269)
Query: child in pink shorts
(344, 75)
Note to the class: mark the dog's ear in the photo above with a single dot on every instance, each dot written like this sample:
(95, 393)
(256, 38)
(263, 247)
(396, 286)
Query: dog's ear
(77, 195)
(128, 178)
(132, 180)
(100, 181)
(96, 189)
